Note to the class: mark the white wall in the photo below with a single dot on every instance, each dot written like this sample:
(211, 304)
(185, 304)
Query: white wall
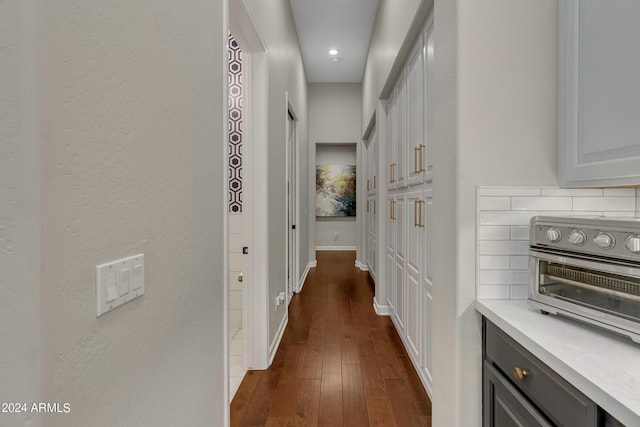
(116, 156)
(20, 334)
(390, 29)
(495, 124)
(335, 115)
(343, 227)
(286, 82)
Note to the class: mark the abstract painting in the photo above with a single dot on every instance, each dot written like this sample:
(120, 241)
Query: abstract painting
(335, 190)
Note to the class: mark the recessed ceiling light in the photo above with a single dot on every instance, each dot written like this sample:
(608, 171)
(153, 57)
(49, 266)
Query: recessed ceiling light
(336, 59)
(333, 52)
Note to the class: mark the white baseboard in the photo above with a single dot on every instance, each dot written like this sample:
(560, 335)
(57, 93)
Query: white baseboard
(273, 348)
(362, 266)
(304, 275)
(314, 263)
(381, 310)
(335, 248)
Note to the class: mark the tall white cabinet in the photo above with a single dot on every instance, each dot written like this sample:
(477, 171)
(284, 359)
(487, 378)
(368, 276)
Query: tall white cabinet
(409, 207)
(371, 222)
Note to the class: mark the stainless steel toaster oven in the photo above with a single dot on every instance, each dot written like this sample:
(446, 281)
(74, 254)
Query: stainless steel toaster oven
(587, 269)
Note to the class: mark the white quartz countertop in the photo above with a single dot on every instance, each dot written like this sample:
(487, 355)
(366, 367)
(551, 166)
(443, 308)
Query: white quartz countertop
(603, 366)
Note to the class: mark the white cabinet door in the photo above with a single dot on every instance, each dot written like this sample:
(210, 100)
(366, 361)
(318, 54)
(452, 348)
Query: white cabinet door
(399, 220)
(427, 285)
(427, 86)
(392, 140)
(414, 232)
(599, 106)
(400, 169)
(372, 163)
(390, 282)
(415, 116)
(413, 327)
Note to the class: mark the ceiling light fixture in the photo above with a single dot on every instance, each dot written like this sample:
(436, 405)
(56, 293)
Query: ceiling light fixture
(333, 52)
(336, 59)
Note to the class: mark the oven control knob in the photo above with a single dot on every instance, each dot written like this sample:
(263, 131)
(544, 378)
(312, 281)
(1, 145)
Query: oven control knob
(553, 235)
(577, 237)
(633, 244)
(604, 240)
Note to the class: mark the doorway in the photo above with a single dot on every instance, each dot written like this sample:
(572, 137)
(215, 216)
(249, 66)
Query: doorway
(292, 212)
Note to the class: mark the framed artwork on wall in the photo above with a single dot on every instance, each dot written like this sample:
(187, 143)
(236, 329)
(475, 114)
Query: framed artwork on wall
(335, 190)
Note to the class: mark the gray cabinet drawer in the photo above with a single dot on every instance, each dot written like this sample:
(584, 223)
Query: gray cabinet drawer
(562, 403)
(505, 405)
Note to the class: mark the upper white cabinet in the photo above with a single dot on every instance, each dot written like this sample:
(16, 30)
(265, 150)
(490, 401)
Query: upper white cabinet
(599, 93)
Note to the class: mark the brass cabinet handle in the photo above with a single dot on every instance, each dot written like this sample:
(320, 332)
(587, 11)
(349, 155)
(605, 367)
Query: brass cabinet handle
(374, 182)
(367, 206)
(520, 374)
(393, 175)
(240, 277)
(420, 223)
(374, 206)
(368, 189)
(415, 214)
(422, 169)
(392, 210)
(415, 160)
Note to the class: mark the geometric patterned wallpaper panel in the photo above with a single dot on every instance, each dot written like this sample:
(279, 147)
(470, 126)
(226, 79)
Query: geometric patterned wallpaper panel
(235, 126)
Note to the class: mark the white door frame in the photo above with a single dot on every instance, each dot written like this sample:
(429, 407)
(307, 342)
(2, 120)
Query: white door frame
(292, 161)
(255, 284)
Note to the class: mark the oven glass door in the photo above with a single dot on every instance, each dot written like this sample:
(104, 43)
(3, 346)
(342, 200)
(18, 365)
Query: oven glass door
(605, 287)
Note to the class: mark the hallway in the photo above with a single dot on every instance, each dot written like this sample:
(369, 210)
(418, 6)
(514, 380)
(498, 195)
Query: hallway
(338, 363)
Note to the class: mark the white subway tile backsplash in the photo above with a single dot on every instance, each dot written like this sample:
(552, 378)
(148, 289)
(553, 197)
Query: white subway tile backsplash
(491, 232)
(519, 232)
(620, 192)
(506, 218)
(504, 214)
(504, 248)
(519, 292)
(541, 203)
(628, 214)
(519, 262)
(504, 277)
(571, 192)
(494, 292)
(571, 213)
(604, 203)
(495, 203)
(493, 262)
(509, 191)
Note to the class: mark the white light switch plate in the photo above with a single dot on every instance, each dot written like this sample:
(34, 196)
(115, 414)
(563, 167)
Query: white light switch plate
(118, 282)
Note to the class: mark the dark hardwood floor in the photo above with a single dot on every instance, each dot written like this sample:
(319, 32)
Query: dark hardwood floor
(339, 364)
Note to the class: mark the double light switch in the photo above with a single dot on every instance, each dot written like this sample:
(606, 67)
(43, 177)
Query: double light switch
(118, 282)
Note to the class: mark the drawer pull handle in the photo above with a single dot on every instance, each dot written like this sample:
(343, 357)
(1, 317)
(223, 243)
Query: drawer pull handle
(520, 374)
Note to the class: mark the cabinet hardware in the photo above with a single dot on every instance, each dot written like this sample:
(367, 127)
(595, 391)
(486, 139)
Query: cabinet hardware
(415, 214)
(393, 174)
(374, 206)
(392, 210)
(374, 182)
(240, 277)
(422, 203)
(519, 374)
(367, 206)
(422, 169)
(368, 185)
(415, 160)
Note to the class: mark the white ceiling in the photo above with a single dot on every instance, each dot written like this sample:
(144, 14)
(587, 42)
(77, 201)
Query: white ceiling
(344, 25)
